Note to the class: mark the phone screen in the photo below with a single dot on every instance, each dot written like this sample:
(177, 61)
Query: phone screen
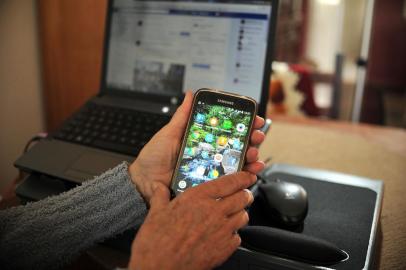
(214, 145)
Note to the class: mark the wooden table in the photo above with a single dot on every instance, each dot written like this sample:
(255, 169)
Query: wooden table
(364, 150)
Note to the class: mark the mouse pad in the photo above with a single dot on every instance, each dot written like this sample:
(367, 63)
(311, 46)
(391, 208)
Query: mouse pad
(340, 214)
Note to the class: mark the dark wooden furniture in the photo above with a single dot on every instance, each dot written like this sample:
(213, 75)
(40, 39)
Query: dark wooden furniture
(71, 37)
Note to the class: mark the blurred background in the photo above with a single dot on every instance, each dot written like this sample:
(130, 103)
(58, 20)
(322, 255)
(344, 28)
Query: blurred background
(341, 60)
(346, 58)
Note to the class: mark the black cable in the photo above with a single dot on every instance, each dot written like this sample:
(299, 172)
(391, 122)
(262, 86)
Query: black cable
(35, 138)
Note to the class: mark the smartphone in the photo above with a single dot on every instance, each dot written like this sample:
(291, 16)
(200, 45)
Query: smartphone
(216, 138)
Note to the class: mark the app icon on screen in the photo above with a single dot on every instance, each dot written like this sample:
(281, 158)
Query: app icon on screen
(213, 174)
(214, 121)
(227, 124)
(191, 151)
(182, 184)
(222, 141)
(205, 154)
(240, 127)
(218, 157)
(200, 118)
(195, 135)
(209, 138)
(236, 144)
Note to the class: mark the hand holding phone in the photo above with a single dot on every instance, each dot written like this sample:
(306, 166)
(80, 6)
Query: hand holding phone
(157, 160)
(216, 138)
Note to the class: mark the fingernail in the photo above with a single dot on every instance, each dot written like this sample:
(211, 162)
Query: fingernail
(251, 197)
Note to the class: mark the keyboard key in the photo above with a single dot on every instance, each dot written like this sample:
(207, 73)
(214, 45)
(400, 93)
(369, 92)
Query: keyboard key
(70, 137)
(87, 141)
(133, 142)
(61, 135)
(78, 138)
(118, 130)
(113, 138)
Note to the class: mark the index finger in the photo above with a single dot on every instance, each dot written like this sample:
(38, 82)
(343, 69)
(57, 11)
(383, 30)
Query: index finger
(227, 185)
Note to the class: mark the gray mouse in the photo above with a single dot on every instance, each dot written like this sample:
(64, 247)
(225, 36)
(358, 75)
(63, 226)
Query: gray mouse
(285, 202)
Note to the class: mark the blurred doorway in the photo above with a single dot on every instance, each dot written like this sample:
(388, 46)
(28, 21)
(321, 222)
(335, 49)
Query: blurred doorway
(321, 41)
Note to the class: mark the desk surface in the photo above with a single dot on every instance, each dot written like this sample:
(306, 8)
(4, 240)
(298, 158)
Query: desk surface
(369, 151)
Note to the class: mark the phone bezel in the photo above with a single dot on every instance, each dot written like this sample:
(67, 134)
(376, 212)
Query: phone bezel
(210, 95)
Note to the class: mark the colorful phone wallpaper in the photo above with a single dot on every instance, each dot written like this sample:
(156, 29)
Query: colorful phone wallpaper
(214, 144)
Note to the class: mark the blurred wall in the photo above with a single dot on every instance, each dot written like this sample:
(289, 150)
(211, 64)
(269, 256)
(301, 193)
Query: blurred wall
(323, 37)
(21, 113)
(354, 15)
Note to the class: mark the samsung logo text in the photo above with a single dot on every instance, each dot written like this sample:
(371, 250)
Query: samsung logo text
(225, 101)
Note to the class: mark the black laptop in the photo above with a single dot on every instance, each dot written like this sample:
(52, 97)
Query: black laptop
(154, 52)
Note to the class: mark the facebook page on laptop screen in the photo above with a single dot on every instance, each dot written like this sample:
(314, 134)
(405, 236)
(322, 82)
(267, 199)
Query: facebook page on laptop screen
(167, 47)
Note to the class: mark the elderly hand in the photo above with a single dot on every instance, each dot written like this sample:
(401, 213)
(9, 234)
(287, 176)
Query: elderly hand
(157, 160)
(196, 230)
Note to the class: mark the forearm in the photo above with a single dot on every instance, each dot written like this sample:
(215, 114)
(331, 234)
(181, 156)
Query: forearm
(50, 232)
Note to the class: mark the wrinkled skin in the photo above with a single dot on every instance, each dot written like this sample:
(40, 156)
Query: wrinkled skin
(157, 159)
(197, 229)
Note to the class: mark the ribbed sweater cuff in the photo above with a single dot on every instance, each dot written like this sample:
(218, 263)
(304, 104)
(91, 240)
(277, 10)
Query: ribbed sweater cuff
(47, 233)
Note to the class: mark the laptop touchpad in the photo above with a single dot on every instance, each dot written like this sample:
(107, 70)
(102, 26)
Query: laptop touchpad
(89, 165)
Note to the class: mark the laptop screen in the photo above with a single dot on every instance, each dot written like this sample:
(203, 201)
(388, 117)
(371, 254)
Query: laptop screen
(168, 47)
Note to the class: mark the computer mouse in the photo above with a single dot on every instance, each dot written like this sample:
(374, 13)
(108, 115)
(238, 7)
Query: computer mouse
(285, 202)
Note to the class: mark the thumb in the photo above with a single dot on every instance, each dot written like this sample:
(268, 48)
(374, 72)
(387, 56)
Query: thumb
(181, 116)
(160, 197)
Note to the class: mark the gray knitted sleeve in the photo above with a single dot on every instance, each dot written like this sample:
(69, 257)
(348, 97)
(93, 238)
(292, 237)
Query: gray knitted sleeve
(51, 232)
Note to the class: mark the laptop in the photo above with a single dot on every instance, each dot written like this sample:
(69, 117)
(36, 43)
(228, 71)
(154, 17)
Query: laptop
(154, 51)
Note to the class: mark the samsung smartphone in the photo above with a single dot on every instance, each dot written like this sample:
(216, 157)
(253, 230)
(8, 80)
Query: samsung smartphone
(216, 138)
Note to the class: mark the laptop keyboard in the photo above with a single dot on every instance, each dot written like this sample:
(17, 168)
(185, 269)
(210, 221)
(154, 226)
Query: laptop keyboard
(115, 129)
